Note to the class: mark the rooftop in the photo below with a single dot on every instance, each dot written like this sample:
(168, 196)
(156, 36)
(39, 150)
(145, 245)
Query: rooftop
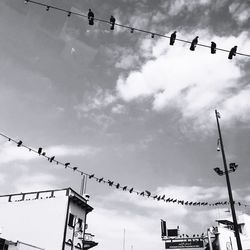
(48, 194)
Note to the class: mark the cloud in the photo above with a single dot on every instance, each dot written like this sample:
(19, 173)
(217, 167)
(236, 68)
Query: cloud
(240, 12)
(35, 182)
(140, 232)
(2, 179)
(195, 83)
(118, 109)
(126, 62)
(178, 5)
(9, 152)
(65, 150)
(140, 217)
(96, 101)
(237, 106)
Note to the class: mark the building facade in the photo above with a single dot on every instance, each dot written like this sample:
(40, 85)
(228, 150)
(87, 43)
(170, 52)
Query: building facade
(51, 219)
(10, 245)
(224, 233)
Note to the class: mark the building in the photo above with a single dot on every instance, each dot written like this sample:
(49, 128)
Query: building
(220, 237)
(9, 245)
(224, 234)
(51, 219)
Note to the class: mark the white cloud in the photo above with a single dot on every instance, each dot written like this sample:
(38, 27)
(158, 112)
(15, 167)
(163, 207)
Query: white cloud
(140, 217)
(100, 99)
(127, 61)
(140, 232)
(35, 182)
(193, 82)
(2, 179)
(118, 109)
(237, 106)
(65, 150)
(178, 5)
(9, 152)
(240, 12)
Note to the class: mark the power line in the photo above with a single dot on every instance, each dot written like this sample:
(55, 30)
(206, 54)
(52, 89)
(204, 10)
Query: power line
(212, 47)
(145, 193)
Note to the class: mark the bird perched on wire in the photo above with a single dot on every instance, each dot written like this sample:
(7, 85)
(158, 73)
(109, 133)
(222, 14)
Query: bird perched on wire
(112, 21)
(194, 43)
(172, 38)
(91, 17)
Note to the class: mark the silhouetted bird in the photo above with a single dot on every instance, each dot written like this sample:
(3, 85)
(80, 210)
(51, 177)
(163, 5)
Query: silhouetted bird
(131, 190)
(51, 158)
(124, 188)
(100, 180)
(39, 151)
(91, 17)
(194, 43)
(74, 168)
(110, 183)
(172, 38)
(213, 47)
(232, 52)
(112, 21)
(67, 164)
(19, 144)
(91, 176)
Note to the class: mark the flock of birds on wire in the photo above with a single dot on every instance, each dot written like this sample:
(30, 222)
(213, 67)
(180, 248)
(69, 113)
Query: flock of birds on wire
(173, 36)
(146, 193)
(110, 183)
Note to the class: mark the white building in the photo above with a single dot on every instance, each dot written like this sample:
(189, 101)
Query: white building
(224, 238)
(52, 219)
(10, 245)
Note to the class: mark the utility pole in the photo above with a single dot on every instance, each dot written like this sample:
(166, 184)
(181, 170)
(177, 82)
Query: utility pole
(231, 201)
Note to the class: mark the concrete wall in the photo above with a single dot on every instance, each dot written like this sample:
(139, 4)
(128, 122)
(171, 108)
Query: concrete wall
(78, 212)
(39, 222)
(227, 239)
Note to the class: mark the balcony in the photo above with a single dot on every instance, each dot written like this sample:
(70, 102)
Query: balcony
(89, 241)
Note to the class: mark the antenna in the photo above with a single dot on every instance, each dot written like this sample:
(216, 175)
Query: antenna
(123, 247)
(83, 184)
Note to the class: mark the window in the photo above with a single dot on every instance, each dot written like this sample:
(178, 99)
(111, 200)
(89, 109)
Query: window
(71, 220)
(80, 223)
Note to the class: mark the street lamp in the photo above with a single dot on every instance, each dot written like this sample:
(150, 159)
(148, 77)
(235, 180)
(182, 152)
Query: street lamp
(232, 167)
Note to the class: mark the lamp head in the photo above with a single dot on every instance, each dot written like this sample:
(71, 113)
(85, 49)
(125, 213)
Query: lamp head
(233, 166)
(218, 171)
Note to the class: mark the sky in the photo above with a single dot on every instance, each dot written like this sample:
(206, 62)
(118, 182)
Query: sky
(127, 108)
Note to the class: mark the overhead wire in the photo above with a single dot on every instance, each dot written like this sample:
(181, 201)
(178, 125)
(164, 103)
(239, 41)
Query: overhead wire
(132, 29)
(117, 185)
